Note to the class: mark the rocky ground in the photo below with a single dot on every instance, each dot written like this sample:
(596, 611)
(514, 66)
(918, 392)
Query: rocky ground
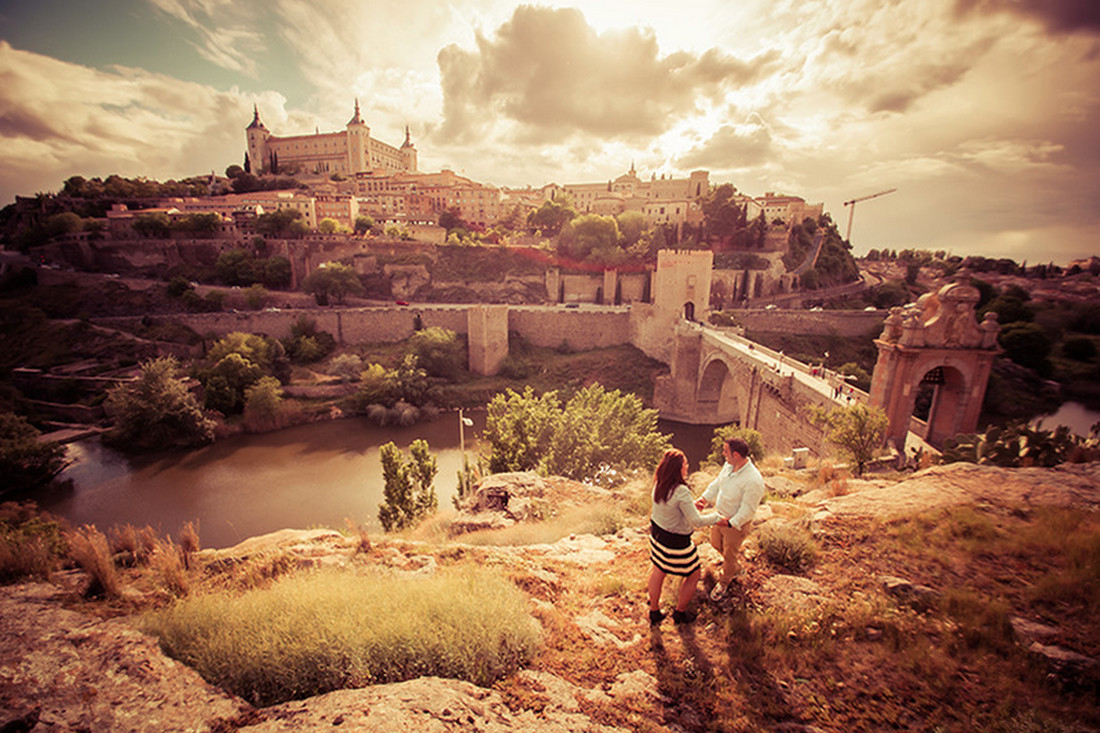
(68, 665)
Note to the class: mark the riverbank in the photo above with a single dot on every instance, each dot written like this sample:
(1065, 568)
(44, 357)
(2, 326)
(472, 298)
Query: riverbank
(931, 601)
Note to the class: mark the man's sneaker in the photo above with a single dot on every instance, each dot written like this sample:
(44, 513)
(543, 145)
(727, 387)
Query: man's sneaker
(683, 617)
(655, 618)
(718, 592)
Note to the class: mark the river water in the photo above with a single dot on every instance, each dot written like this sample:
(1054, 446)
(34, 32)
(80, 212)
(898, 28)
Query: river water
(315, 475)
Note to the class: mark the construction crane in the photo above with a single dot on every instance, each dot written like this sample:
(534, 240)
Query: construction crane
(852, 211)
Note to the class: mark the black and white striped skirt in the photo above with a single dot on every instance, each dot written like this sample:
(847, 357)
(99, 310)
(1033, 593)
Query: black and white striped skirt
(672, 553)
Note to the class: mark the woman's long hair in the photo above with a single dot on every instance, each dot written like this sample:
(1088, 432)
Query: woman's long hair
(670, 474)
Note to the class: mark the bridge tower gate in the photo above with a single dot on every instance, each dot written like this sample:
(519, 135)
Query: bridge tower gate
(936, 342)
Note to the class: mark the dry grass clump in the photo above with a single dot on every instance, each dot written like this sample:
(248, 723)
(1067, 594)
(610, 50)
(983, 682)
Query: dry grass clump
(169, 562)
(787, 545)
(133, 544)
(358, 531)
(311, 633)
(31, 543)
(89, 549)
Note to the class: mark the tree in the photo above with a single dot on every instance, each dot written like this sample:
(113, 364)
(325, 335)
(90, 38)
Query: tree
(595, 433)
(721, 214)
(151, 225)
(753, 437)
(632, 225)
(26, 462)
(328, 225)
(552, 216)
(1026, 344)
(439, 351)
(263, 402)
(157, 410)
(409, 494)
(856, 430)
(235, 170)
(591, 237)
(276, 223)
(332, 280)
(364, 225)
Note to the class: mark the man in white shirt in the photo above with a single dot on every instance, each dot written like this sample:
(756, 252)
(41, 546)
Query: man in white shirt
(735, 493)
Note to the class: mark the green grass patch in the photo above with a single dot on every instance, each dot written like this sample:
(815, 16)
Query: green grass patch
(316, 632)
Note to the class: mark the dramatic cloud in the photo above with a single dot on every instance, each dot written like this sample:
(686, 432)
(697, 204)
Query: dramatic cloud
(551, 73)
(225, 38)
(1059, 16)
(94, 123)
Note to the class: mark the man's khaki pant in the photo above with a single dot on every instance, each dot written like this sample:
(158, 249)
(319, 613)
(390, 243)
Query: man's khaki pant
(727, 540)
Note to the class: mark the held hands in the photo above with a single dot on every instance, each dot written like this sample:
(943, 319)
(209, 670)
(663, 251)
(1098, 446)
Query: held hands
(724, 521)
(700, 503)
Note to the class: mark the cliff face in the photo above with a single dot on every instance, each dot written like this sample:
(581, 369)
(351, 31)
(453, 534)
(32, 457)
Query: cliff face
(65, 667)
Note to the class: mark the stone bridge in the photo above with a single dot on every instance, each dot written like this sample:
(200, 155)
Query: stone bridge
(718, 377)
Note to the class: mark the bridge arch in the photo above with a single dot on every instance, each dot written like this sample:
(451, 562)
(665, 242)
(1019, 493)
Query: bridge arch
(719, 397)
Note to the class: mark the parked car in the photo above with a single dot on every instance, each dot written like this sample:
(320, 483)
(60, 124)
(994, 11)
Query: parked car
(401, 302)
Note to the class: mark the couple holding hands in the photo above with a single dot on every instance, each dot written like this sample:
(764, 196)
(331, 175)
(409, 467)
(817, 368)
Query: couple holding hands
(734, 494)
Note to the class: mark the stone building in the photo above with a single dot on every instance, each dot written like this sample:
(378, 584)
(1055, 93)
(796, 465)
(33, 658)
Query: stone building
(350, 151)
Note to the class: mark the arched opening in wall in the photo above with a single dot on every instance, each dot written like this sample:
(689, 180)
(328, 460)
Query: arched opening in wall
(759, 289)
(716, 399)
(689, 311)
(937, 402)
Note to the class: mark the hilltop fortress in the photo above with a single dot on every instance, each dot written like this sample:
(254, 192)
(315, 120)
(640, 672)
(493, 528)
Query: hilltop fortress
(348, 152)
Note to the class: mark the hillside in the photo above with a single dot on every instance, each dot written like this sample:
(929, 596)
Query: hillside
(935, 601)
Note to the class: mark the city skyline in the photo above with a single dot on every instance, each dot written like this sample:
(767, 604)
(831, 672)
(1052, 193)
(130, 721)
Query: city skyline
(981, 113)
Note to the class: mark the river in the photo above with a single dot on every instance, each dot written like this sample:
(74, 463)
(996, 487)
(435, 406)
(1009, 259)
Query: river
(316, 475)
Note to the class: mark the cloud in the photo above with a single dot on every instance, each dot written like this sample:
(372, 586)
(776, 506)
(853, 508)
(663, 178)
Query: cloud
(732, 147)
(59, 119)
(1059, 16)
(551, 74)
(227, 37)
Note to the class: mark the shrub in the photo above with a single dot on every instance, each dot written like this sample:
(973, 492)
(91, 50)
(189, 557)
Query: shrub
(346, 366)
(88, 547)
(724, 433)
(787, 545)
(409, 493)
(1079, 348)
(158, 411)
(26, 461)
(31, 543)
(313, 633)
(439, 351)
(169, 562)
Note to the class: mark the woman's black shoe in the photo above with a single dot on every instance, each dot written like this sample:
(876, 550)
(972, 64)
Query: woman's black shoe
(655, 618)
(683, 617)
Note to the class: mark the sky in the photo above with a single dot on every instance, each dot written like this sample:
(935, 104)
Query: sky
(984, 115)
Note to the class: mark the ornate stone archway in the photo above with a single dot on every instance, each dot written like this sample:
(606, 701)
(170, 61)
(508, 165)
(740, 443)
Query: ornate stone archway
(938, 340)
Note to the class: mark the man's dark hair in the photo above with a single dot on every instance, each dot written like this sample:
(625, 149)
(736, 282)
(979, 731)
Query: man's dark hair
(737, 445)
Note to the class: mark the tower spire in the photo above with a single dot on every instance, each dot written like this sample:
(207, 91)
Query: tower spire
(356, 120)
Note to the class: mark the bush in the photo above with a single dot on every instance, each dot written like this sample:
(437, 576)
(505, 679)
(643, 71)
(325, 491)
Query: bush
(439, 352)
(1079, 348)
(788, 546)
(313, 633)
(724, 433)
(409, 493)
(31, 543)
(26, 461)
(347, 367)
(158, 411)
(597, 433)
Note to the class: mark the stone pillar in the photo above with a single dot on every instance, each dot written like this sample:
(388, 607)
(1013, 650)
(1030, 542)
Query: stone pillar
(487, 337)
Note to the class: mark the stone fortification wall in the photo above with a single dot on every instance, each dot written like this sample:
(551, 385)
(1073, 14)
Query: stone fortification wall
(842, 323)
(581, 328)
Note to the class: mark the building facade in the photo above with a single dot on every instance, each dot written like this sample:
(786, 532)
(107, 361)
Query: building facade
(348, 152)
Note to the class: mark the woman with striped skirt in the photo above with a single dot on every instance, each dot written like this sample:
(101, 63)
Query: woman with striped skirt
(671, 549)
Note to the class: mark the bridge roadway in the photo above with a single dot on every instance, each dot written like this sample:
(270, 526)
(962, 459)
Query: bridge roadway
(830, 385)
